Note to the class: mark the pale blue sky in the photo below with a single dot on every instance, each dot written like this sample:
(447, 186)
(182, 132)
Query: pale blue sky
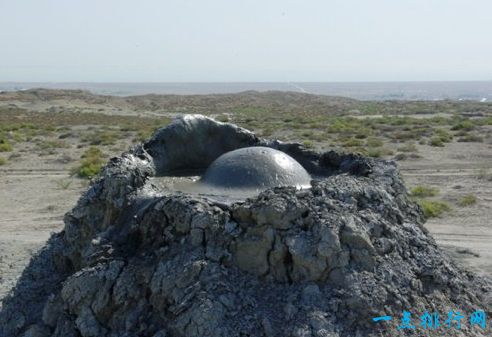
(248, 40)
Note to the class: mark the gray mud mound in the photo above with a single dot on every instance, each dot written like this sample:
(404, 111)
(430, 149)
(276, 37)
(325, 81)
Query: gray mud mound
(136, 260)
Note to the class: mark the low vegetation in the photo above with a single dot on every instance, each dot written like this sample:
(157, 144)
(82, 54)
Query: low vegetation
(467, 200)
(433, 208)
(421, 191)
(443, 135)
(102, 137)
(484, 174)
(103, 129)
(374, 142)
(64, 183)
(309, 144)
(353, 142)
(436, 141)
(377, 152)
(466, 125)
(471, 138)
(5, 146)
(408, 147)
(3, 161)
(354, 133)
(376, 129)
(51, 145)
(91, 163)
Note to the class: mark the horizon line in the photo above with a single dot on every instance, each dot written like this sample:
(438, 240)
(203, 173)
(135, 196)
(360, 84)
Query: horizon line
(233, 82)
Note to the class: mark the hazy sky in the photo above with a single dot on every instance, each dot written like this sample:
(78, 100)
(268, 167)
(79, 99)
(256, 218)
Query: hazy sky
(248, 40)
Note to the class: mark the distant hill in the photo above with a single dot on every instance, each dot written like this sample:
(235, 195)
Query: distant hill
(55, 100)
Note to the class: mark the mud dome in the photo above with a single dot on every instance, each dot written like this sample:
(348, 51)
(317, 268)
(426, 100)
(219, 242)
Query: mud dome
(255, 168)
(137, 260)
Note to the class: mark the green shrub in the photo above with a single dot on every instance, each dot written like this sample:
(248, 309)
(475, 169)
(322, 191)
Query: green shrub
(352, 143)
(408, 147)
(463, 125)
(402, 135)
(363, 133)
(267, 132)
(3, 161)
(5, 146)
(143, 135)
(308, 144)
(374, 142)
(400, 156)
(101, 137)
(64, 184)
(375, 152)
(467, 200)
(461, 133)
(18, 137)
(223, 118)
(320, 137)
(433, 208)
(483, 121)
(471, 138)
(436, 141)
(52, 144)
(421, 131)
(421, 191)
(307, 133)
(444, 135)
(91, 163)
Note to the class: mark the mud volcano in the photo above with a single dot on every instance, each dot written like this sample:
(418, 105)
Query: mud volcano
(137, 259)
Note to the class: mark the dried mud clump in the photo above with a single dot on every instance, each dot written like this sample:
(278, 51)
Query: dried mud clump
(134, 260)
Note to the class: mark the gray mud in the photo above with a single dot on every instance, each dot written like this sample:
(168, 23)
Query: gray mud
(192, 186)
(134, 260)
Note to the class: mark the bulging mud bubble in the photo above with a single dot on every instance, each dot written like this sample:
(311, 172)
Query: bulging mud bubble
(255, 168)
(239, 174)
(139, 257)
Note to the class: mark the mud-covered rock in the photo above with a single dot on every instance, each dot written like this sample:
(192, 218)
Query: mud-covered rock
(134, 260)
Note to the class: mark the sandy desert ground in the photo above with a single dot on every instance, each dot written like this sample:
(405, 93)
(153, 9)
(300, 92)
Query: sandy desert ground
(38, 185)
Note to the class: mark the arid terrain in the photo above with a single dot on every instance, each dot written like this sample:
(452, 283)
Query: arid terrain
(52, 142)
